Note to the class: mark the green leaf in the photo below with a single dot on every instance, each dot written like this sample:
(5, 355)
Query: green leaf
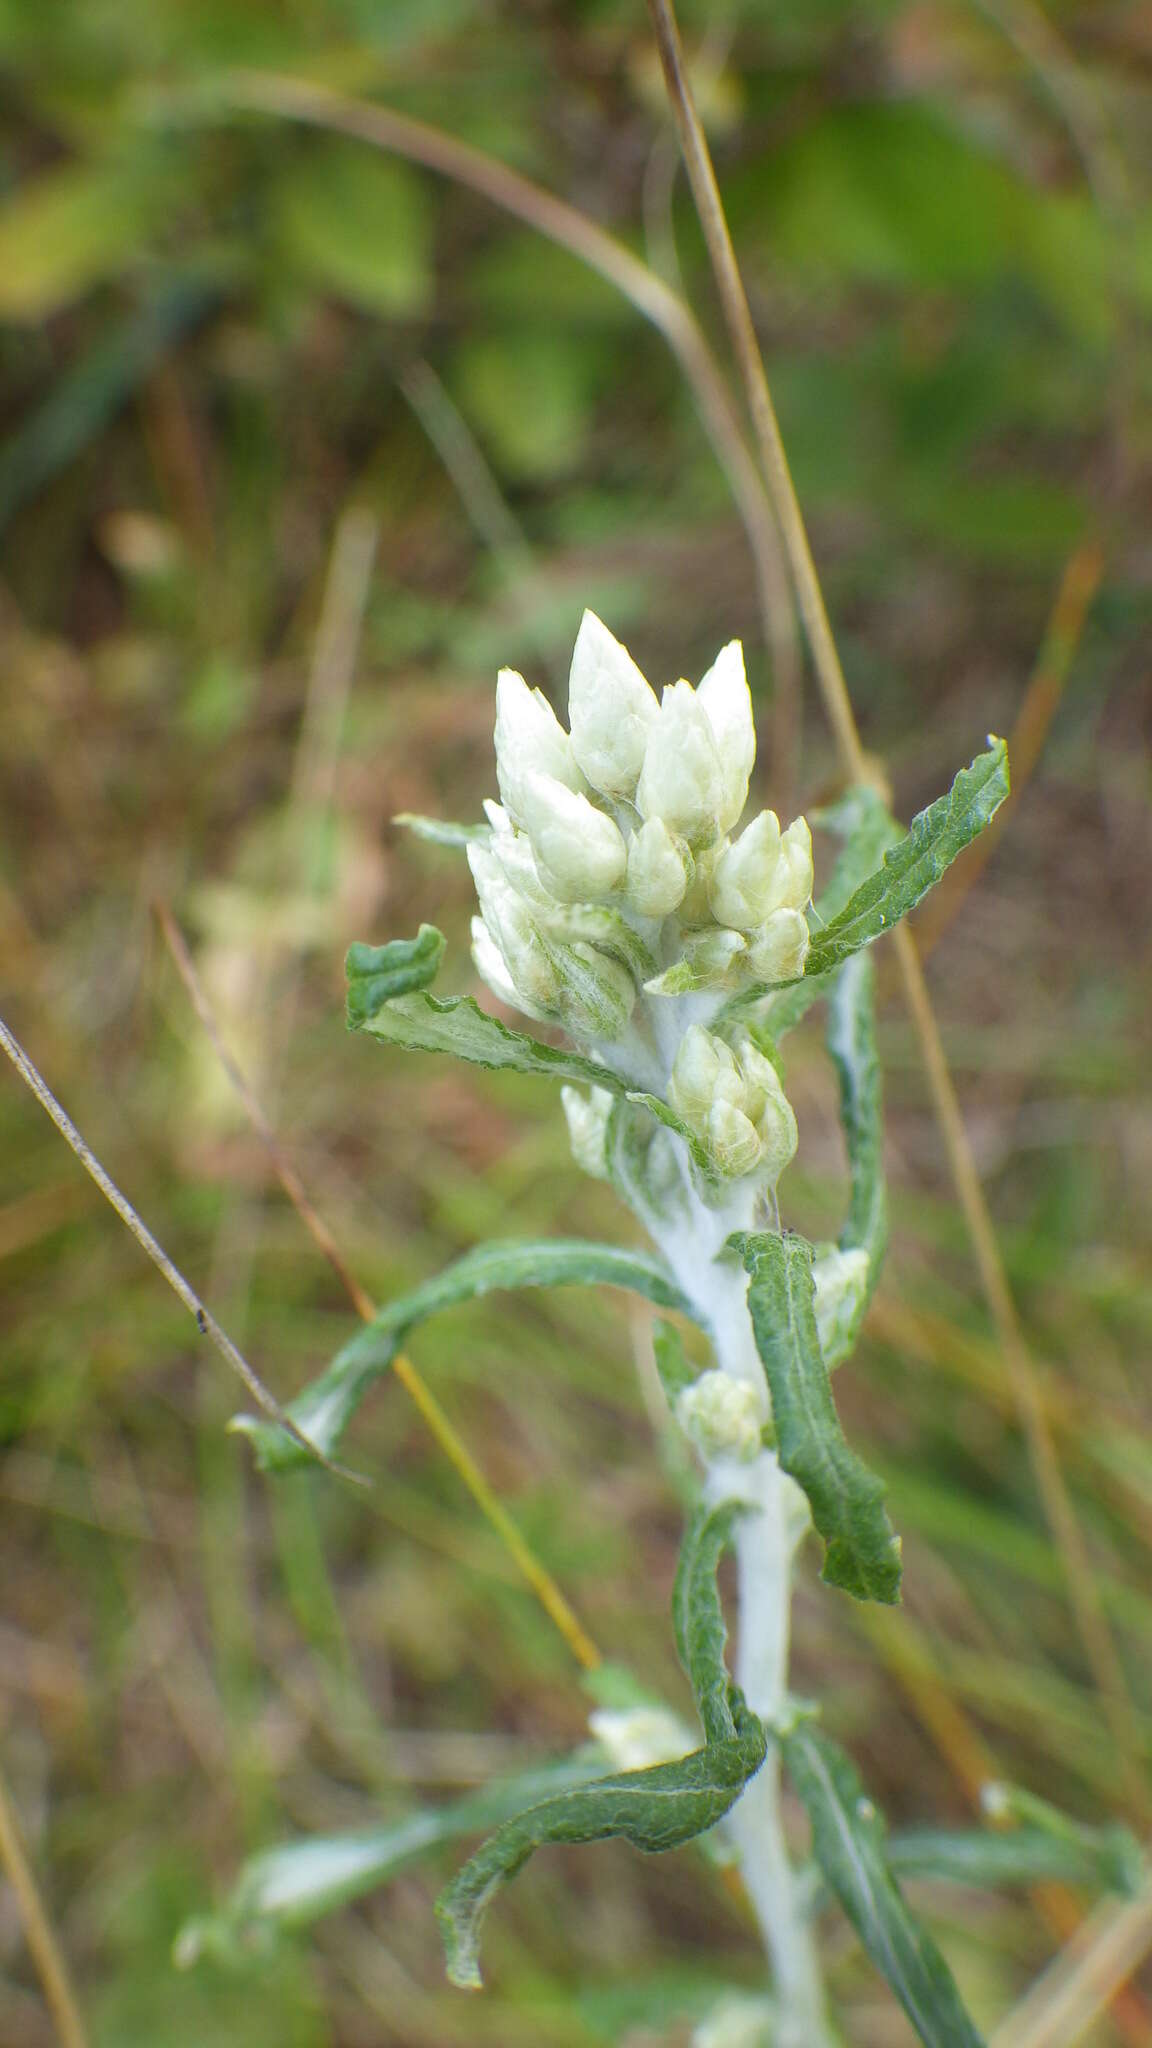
(910, 868)
(377, 974)
(848, 1843)
(424, 1023)
(862, 1554)
(1110, 1858)
(851, 1040)
(672, 1363)
(654, 1809)
(298, 1882)
(1112, 1852)
(330, 1402)
(698, 1619)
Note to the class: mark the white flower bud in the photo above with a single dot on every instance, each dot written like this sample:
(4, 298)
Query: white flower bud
(587, 1117)
(766, 1104)
(735, 1103)
(841, 1282)
(579, 852)
(794, 876)
(720, 1416)
(744, 879)
(659, 870)
(701, 1062)
(529, 740)
(725, 696)
(508, 920)
(777, 951)
(732, 1139)
(682, 780)
(611, 710)
(636, 1737)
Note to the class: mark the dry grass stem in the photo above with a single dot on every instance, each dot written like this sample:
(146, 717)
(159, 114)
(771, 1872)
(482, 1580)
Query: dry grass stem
(1094, 1631)
(38, 1931)
(543, 1585)
(301, 99)
(205, 1322)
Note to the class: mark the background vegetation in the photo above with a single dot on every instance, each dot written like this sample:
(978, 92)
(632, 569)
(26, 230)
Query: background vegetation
(299, 443)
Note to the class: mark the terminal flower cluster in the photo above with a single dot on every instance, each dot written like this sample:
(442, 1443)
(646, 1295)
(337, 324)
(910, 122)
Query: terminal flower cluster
(618, 899)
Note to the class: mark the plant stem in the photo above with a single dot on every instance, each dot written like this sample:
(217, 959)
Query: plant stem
(767, 1536)
(765, 1546)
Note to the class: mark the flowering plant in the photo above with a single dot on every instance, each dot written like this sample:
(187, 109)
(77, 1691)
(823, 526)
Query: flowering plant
(621, 906)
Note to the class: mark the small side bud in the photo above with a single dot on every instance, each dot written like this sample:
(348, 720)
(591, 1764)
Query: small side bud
(733, 1139)
(720, 1416)
(507, 918)
(840, 1279)
(681, 780)
(529, 739)
(745, 876)
(611, 710)
(702, 1062)
(777, 951)
(794, 876)
(579, 852)
(725, 696)
(587, 1117)
(659, 870)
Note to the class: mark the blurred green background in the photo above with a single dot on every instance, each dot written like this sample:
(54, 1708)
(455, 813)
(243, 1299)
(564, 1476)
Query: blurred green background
(299, 443)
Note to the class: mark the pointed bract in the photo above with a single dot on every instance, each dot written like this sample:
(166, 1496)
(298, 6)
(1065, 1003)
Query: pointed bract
(745, 877)
(611, 710)
(579, 852)
(727, 701)
(681, 780)
(529, 739)
(659, 870)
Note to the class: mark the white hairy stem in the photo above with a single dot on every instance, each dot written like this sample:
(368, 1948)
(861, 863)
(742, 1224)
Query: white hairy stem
(767, 1535)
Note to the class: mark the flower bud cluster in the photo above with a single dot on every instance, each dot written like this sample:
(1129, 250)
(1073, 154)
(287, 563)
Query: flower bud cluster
(610, 888)
(735, 1104)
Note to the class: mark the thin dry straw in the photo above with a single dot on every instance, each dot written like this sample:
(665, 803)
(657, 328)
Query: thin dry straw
(205, 1322)
(42, 1944)
(487, 1500)
(1092, 1625)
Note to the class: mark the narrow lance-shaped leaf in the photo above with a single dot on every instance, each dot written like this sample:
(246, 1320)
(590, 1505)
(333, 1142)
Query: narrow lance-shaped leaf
(654, 1809)
(911, 867)
(848, 1843)
(324, 1409)
(296, 1883)
(698, 1619)
(457, 1025)
(862, 1553)
(1106, 1858)
(851, 1040)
